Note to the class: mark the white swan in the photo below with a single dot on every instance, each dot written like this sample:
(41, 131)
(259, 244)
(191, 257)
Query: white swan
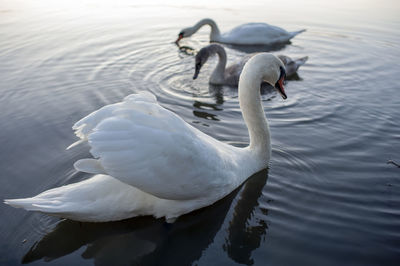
(148, 161)
(223, 75)
(246, 34)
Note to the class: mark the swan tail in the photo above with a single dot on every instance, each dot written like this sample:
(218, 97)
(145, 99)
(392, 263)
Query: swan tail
(301, 61)
(51, 201)
(294, 33)
(98, 199)
(36, 204)
(26, 203)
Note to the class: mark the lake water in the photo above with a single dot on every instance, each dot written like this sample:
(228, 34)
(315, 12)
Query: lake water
(329, 196)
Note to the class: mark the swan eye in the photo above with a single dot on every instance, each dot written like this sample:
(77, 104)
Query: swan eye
(181, 33)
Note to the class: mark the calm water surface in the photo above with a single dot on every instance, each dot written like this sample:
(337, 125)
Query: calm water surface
(329, 197)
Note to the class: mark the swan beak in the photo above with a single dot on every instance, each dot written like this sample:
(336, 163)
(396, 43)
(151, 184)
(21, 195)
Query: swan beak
(196, 72)
(195, 75)
(279, 84)
(180, 37)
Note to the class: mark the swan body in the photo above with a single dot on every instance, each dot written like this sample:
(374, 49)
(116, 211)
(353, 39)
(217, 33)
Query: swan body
(292, 65)
(246, 34)
(149, 161)
(223, 75)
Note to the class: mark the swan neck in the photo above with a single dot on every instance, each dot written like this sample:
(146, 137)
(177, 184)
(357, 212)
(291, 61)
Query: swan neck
(215, 33)
(253, 111)
(218, 75)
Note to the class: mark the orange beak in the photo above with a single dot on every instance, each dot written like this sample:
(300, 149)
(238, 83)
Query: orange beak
(279, 86)
(180, 37)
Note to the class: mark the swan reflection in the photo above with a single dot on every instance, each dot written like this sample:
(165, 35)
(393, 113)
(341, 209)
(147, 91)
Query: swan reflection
(245, 234)
(218, 93)
(149, 241)
(187, 50)
(205, 110)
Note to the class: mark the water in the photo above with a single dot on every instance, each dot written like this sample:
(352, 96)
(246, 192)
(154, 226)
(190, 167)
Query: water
(329, 197)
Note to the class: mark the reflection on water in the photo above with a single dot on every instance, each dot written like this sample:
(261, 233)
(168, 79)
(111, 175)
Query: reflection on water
(206, 114)
(217, 92)
(245, 232)
(149, 241)
(187, 50)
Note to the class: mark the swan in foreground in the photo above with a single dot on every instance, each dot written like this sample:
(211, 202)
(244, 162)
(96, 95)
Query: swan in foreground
(246, 34)
(149, 161)
(223, 75)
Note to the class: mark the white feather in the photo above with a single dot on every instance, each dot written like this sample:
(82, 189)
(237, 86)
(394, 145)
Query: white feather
(154, 163)
(246, 34)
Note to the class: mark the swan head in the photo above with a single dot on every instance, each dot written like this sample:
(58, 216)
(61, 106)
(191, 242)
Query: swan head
(201, 58)
(274, 73)
(186, 32)
(270, 68)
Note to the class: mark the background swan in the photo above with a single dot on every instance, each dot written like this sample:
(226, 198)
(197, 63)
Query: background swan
(148, 161)
(223, 75)
(246, 34)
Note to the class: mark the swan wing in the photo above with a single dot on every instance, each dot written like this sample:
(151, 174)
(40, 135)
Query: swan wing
(257, 34)
(232, 72)
(149, 147)
(257, 28)
(86, 125)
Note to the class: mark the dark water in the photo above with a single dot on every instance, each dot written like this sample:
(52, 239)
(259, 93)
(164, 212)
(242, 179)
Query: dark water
(329, 197)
